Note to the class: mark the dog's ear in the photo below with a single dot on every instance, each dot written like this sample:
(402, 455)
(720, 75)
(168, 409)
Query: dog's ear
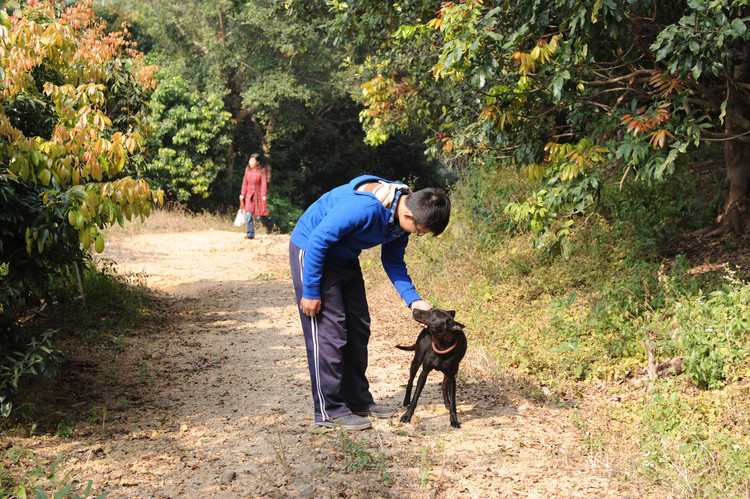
(457, 326)
(452, 313)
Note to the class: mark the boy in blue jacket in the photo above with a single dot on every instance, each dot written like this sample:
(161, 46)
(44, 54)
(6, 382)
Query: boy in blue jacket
(324, 258)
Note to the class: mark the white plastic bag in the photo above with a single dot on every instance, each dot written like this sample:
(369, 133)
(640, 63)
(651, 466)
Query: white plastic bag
(239, 219)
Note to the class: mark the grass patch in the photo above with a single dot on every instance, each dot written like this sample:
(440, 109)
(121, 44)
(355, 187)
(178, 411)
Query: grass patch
(112, 309)
(610, 315)
(359, 456)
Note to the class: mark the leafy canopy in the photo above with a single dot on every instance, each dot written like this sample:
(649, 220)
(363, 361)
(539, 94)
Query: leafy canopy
(57, 133)
(575, 94)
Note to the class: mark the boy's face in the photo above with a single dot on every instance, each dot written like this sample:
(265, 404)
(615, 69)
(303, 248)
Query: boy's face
(418, 229)
(407, 223)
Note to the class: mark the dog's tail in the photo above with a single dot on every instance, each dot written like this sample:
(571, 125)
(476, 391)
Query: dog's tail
(410, 348)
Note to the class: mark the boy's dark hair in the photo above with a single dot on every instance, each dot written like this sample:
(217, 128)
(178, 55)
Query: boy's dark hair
(254, 155)
(431, 208)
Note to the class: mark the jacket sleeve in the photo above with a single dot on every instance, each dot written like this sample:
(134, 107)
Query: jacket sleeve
(392, 256)
(334, 226)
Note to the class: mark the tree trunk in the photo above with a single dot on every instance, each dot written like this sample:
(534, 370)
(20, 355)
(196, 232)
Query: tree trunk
(738, 173)
(270, 127)
(238, 117)
(265, 144)
(737, 155)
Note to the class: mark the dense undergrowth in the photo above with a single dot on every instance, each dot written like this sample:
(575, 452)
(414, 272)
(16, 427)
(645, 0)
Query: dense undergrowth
(112, 309)
(661, 342)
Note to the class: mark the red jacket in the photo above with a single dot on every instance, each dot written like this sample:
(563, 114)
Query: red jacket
(254, 187)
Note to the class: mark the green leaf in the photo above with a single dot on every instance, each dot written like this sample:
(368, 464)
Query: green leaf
(454, 55)
(697, 70)
(739, 27)
(63, 493)
(557, 84)
(405, 32)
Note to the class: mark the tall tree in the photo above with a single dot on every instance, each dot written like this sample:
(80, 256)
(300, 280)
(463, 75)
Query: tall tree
(72, 103)
(263, 66)
(71, 120)
(573, 93)
(283, 82)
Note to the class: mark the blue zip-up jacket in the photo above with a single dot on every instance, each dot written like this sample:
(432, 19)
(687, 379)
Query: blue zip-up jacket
(342, 223)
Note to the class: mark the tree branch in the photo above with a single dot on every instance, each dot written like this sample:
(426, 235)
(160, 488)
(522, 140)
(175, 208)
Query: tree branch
(725, 137)
(635, 74)
(244, 113)
(202, 49)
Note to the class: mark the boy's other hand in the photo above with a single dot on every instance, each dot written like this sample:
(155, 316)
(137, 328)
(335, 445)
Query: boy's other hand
(310, 307)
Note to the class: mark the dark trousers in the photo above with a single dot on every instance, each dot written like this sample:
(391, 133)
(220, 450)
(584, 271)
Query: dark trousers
(336, 339)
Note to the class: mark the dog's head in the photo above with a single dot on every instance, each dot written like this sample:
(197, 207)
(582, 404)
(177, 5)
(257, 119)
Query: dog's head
(440, 323)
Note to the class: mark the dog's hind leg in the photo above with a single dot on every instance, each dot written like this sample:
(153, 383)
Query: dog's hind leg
(446, 395)
(417, 391)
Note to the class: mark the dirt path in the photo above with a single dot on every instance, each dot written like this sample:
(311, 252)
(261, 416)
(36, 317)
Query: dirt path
(215, 401)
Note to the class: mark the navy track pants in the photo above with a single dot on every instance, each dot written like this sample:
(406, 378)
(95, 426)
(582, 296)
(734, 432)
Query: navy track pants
(336, 338)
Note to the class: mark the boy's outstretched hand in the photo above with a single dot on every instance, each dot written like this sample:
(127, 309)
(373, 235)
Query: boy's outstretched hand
(421, 305)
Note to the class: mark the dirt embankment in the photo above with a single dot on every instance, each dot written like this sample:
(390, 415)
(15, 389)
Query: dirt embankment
(215, 402)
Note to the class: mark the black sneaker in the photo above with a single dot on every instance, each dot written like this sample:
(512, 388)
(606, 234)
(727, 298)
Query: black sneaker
(377, 411)
(348, 422)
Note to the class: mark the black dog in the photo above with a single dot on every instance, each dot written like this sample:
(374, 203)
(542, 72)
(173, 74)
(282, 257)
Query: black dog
(441, 347)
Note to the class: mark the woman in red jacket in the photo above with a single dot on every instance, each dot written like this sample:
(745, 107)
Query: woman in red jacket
(253, 195)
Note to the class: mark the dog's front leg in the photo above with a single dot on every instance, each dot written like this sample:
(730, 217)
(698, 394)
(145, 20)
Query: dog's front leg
(407, 397)
(412, 374)
(451, 399)
(417, 391)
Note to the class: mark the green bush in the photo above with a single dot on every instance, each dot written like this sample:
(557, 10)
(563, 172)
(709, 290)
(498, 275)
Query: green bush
(23, 474)
(189, 141)
(281, 210)
(714, 332)
(27, 274)
(645, 215)
(479, 200)
(21, 357)
(687, 443)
